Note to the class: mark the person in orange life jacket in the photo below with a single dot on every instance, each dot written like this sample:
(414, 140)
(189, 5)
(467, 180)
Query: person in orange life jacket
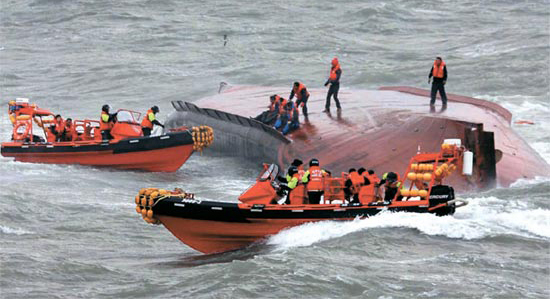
(353, 184)
(149, 120)
(314, 180)
(58, 128)
(390, 181)
(439, 74)
(276, 105)
(69, 132)
(334, 81)
(293, 122)
(106, 122)
(302, 95)
(289, 114)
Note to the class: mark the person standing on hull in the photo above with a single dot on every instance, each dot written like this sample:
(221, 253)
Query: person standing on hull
(302, 95)
(149, 120)
(106, 122)
(439, 74)
(334, 81)
(314, 179)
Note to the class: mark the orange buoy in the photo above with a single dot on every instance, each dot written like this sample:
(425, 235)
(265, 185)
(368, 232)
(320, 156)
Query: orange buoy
(427, 177)
(405, 192)
(422, 193)
(149, 213)
(144, 201)
(155, 194)
(414, 167)
(138, 209)
(411, 176)
(413, 193)
(137, 199)
(144, 212)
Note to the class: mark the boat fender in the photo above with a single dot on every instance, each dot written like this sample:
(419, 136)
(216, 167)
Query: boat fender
(18, 133)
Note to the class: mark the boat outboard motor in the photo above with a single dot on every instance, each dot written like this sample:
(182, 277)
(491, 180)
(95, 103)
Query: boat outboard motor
(442, 194)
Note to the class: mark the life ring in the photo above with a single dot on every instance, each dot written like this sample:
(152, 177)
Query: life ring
(17, 134)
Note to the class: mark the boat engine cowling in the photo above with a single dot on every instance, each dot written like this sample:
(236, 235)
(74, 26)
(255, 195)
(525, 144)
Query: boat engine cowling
(441, 194)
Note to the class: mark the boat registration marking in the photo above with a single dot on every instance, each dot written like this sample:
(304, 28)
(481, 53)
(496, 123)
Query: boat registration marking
(217, 208)
(297, 210)
(24, 146)
(49, 146)
(256, 210)
(179, 205)
(339, 210)
(164, 137)
(423, 206)
(134, 141)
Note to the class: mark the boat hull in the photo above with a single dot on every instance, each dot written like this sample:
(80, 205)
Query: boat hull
(166, 153)
(213, 227)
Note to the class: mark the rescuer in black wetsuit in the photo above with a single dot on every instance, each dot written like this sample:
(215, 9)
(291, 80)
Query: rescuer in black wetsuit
(334, 81)
(439, 74)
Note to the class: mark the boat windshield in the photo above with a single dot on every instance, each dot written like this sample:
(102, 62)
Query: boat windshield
(127, 116)
(271, 173)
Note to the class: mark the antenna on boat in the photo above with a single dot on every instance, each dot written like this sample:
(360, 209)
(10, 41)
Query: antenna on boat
(418, 150)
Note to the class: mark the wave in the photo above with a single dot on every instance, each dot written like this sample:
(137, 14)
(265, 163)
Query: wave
(13, 231)
(482, 218)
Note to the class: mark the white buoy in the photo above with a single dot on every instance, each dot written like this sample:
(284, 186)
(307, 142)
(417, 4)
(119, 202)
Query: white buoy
(468, 163)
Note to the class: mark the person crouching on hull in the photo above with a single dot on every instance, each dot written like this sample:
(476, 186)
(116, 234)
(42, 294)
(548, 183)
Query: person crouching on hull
(149, 120)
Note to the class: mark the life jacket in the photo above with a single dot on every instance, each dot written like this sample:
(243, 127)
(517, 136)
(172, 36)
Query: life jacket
(373, 178)
(59, 126)
(104, 123)
(316, 179)
(301, 172)
(71, 131)
(147, 120)
(274, 104)
(282, 104)
(357, 181)
(333, 70)
(298, 91)
(296, 177)
(438, 71)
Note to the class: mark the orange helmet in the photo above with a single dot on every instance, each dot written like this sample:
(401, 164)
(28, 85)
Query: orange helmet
(334, 61)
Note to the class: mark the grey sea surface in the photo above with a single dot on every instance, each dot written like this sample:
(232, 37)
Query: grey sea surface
(72, 231)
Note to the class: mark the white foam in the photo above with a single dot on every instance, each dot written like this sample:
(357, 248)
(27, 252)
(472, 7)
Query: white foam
(13, 231)
(484, 217)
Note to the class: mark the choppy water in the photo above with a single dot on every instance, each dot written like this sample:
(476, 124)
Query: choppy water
(72, 232)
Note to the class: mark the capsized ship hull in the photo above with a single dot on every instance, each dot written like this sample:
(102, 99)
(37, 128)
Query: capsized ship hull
(377, 129)
(165, 153)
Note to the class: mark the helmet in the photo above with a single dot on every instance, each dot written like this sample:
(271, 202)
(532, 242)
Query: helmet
(296, 83)
(105, 108)
(361, 170)
(334, 61)
(155, 109)
(314, 162)
(297, 162)
(292, 170)
(392, 177)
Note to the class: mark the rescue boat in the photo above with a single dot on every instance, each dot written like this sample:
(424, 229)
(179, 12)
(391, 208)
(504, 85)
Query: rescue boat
(128, 149)
(214, 227)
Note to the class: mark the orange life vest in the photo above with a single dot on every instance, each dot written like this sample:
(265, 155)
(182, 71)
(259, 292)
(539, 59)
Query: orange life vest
(438, 70)
(104, 125)
(373, 178)
(146, 123)
(301, 172)
(282, 104)
(298, 91)
(315, 179)
(59, 126)
(70, 129)
(274, 103)
(357, 181)
(333, 70)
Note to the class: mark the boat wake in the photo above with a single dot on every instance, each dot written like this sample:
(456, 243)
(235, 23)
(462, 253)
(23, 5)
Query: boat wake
(13, 231)
(484, 217)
